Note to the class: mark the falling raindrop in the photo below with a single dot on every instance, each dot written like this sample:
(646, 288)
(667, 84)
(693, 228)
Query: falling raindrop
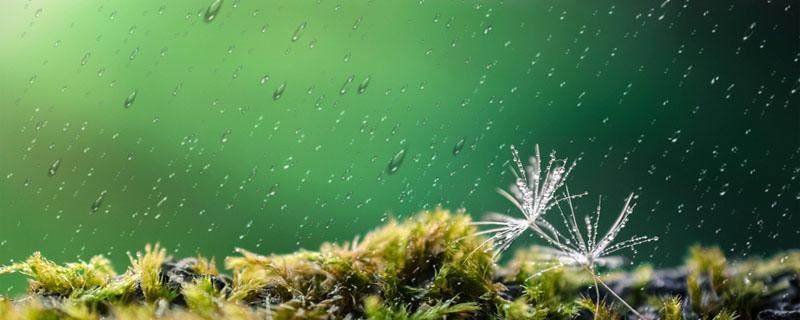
(457, 148)
(130, 99)
(279, 92)
(85, 58)
(98, 202)
(134, 53)
(177, 89)
(396, 161)
(297, 33)
(358, 22)
(363, 86)
(237, 71)
(225, 135)
(343, 90)
(213, 10)
(749, 32)
(54, 168)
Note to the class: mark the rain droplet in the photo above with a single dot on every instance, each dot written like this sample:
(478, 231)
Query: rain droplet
(130, 99)
(279, 92)
(225, 135)
(213, 10)
(54, 168)
(343, 90)
(358, 22)
(457, 148)
(134, 53)
(297, 33)
(396, 161)
(177, 89)
(160, 202)
(85, 58)
(98, 202)
(363, 86)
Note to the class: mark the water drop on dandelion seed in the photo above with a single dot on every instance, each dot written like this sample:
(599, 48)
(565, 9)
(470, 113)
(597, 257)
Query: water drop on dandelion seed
(213, 10)
(279, 92)
(54, 168)
(363, 86)
(457, 148)
(396, 161)
(98, 202)
(130, 99)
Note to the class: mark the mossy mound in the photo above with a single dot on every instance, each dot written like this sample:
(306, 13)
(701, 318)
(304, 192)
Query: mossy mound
(427, 267)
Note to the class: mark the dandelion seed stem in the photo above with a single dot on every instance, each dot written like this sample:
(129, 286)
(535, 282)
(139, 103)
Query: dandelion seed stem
(596, 295)
(597, 279)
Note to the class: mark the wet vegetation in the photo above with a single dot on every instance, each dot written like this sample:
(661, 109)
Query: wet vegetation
(425, 267)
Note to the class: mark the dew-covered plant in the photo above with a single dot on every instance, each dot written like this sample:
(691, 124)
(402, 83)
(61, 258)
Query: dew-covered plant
(535, 196)
(534, 192)
(586, 251)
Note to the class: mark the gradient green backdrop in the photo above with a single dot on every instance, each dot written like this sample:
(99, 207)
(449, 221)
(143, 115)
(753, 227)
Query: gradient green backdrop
(692, 104)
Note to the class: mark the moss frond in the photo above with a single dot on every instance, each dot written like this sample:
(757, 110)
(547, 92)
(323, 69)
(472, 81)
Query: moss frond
(201, 296)
(726, 315)
(671, 308)
(49, 277)
(375, 309)
(711, 263)
(601, 312)
(148, 267)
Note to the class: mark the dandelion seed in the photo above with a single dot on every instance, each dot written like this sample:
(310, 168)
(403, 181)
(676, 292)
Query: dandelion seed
(585, 250)
(532, 193)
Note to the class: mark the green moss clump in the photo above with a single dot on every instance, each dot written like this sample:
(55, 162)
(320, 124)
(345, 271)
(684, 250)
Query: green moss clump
(71, 279)
(428, 267)
(671, 309)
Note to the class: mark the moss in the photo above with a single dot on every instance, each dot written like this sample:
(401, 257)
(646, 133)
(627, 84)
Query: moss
(73, 278)
(671, 309)
(426, 267)
(600, 311)
(148, 267)
(376, 309)
(726, 315)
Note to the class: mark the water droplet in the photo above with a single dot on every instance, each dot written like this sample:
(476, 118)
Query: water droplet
(213, 10)
(134, 53)
(130, 99)
(98, 202)
(225, 135)
(457, 148)
(343, 90)
(85, 58)
(396, 161)
(236, 72)
(363, 86)
(54, 168)
(279, 92)
(358, 22)
(297, 33)
(177, 89)
(160, 202)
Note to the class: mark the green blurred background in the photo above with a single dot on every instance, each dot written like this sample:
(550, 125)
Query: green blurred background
(693, 105)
